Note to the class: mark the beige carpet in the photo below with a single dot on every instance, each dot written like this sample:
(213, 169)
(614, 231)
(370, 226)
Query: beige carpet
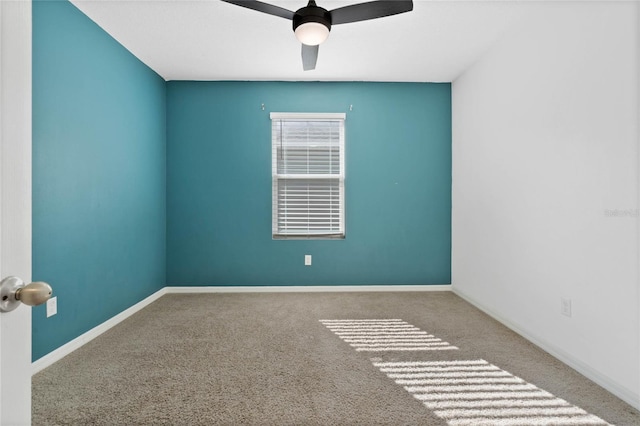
(317, 359)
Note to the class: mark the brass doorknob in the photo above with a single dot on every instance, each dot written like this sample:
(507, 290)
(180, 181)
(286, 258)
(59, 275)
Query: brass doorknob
(13, 291)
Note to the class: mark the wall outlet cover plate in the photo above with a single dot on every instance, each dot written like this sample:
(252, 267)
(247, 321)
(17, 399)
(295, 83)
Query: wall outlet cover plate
(52, 306)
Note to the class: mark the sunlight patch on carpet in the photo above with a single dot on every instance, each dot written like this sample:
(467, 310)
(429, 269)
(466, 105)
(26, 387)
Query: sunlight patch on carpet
(476, 393)
(384, 335)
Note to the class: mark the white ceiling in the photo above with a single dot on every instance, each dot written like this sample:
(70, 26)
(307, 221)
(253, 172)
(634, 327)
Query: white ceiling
(213, 40)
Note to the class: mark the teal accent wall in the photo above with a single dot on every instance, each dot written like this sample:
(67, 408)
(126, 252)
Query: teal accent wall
(139, 183)
(398, 185)
(99, 174)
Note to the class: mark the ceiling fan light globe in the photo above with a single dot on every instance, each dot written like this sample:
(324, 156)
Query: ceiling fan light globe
(312, 33)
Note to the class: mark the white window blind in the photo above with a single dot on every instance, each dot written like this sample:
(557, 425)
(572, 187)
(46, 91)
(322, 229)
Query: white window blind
(308, 175)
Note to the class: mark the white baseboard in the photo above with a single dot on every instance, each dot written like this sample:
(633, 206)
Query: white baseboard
(307, 289)
(84, 338)
(624, 394)
(81, 340)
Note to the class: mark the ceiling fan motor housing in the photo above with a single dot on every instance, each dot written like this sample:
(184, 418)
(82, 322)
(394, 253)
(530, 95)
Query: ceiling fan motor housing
(312, 13)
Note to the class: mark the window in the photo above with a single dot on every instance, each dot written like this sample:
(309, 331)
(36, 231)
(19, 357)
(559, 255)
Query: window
(308, 175)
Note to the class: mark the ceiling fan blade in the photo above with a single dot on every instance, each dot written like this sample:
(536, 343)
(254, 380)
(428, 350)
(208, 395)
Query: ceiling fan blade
(369, 10)
(309, 57)
(263, 7)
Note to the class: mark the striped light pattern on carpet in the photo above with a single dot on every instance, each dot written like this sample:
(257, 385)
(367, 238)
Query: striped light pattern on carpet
(477, 393)
(378, 335)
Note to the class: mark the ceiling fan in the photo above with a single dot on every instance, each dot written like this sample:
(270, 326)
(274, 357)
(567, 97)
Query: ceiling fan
(312, 23)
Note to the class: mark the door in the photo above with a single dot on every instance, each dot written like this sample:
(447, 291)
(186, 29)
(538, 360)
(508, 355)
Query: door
(15, 205)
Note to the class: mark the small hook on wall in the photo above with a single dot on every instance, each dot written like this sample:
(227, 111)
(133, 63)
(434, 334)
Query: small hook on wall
(262, 107)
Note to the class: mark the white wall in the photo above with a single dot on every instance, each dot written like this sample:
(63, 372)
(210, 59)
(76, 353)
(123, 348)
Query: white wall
(545, 150)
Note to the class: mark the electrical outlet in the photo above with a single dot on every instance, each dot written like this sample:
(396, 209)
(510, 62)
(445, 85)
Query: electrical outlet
(52, 306)
(565, 307)
(307, 260)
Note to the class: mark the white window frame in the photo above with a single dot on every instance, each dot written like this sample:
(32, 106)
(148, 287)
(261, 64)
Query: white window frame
(278, 233)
